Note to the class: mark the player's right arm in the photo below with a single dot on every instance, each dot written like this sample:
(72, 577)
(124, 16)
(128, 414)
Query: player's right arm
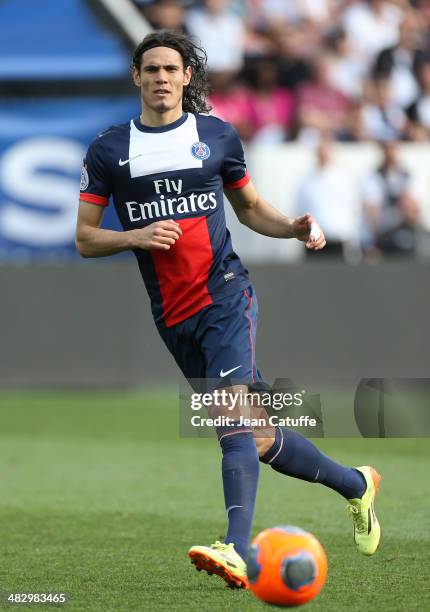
(96, 186)
(93, 241)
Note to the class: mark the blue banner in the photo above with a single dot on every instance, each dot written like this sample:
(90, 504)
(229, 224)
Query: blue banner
(42, 145)
(57, 39)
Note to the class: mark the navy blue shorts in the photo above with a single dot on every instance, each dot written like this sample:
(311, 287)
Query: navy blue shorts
(217, 345)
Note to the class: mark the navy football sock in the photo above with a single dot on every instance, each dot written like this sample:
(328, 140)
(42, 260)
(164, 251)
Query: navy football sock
(294, 455)
(240, 471)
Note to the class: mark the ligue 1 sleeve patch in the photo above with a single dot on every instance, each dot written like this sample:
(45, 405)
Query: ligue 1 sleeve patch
(200, 150)
(85, 180)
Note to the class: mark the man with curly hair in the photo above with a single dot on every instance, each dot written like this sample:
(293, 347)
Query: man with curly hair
(167, 170)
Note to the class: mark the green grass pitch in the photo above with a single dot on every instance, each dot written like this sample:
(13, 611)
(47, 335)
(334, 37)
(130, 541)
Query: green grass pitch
(100, 499)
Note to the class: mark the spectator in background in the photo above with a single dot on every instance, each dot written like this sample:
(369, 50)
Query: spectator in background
(321, 108)
(381, 117)
(230, 101)
(419, 111)
(391, 213)
(371, 26)
(296, 48)
(274, 12)
(167, 14)
(270, 105)
(323, 13)
(221, 32)
(423, 7)
(257, 41)
(163, 14)
(399, 64)
(330, 193)
(345, 73)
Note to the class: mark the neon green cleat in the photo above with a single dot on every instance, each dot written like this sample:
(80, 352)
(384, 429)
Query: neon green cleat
(367, 531)
(222, 560)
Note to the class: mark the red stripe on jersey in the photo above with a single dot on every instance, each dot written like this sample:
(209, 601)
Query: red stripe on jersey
(183, 271)
(94, 199)
(240, 183)
(251, 335)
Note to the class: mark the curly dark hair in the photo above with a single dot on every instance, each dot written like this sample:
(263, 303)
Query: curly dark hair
(195, 94)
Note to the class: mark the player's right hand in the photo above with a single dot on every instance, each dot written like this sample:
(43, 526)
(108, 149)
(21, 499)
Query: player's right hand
(160, 235)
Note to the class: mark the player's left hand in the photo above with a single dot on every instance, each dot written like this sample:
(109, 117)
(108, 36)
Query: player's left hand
(307, 230)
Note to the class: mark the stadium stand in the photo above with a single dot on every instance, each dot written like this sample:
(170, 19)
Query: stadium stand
(64, 74)
(62, 40)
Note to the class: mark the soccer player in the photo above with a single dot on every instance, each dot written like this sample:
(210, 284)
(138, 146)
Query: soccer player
(167, 170)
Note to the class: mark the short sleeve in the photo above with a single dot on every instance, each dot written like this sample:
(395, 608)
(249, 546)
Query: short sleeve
(95, 184)
(234, 173)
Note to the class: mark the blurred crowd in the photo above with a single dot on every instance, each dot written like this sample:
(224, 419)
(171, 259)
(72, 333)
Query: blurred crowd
(378, 217)
(321, 72)
(348, 70)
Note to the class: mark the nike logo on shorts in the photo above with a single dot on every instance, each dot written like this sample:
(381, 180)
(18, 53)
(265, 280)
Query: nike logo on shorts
(222, 373)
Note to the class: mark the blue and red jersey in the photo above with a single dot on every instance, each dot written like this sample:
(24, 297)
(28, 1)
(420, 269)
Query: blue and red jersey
(175, 172)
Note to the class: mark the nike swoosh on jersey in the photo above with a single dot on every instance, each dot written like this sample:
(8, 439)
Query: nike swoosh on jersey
(222, 373)
(127, 161)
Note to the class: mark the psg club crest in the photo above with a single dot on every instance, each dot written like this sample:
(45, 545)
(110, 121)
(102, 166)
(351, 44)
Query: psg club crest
(84, 179)
(200, 150)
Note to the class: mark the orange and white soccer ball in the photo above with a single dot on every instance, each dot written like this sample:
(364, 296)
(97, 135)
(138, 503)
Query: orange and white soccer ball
(286, 566)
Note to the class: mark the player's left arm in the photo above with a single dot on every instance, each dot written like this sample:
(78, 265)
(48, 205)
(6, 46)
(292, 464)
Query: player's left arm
(261, 217)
